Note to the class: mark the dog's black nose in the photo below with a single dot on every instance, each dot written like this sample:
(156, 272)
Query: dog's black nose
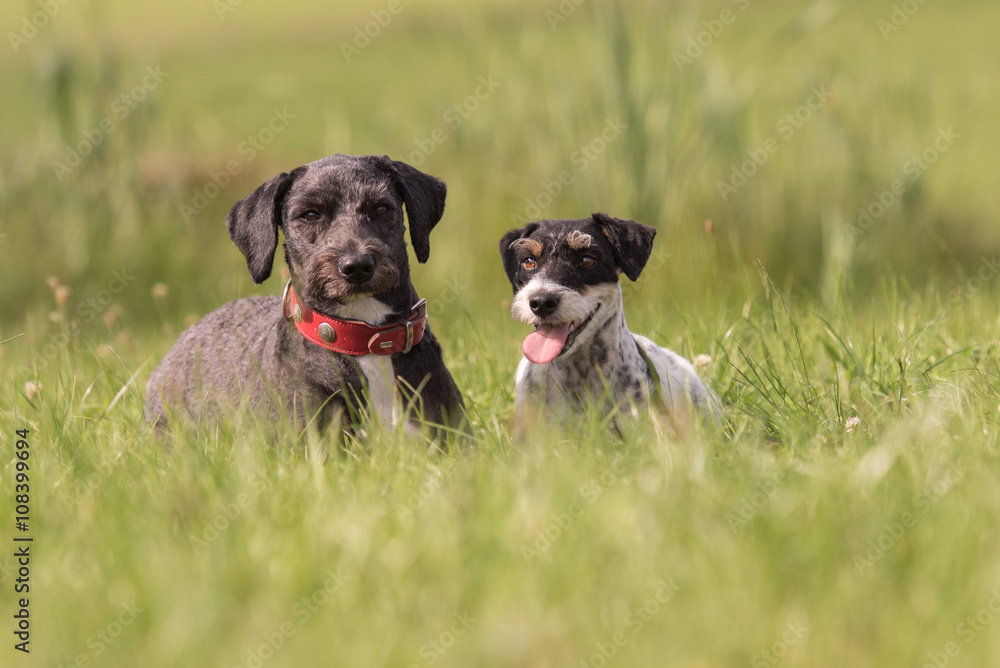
(357, 268)
(544, 305)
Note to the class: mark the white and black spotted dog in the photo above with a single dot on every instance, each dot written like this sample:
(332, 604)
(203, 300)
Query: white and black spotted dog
(565, 278)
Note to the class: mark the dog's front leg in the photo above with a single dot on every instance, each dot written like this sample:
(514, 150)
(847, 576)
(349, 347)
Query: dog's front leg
(427, 390)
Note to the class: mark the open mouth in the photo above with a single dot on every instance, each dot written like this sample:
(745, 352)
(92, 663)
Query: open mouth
(548, 342)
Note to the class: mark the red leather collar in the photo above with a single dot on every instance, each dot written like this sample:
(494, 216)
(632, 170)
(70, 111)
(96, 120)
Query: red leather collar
(354, 337)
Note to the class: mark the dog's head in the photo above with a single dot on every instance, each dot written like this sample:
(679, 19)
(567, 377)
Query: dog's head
(342, 218)
(565, 277)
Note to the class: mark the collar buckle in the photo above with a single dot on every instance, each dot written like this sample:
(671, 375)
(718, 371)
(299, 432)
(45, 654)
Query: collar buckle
(409, 337)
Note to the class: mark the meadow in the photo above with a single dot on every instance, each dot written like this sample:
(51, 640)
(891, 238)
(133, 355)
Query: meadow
(822, 178)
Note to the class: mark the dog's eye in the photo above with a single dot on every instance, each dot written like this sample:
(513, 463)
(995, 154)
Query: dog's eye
(529, 263)
(587, 262)
(381, 210)
(310, 216)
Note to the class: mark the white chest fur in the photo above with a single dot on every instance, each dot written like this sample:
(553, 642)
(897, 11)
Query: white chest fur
(377, 369)
(381, 387)
(368, 309)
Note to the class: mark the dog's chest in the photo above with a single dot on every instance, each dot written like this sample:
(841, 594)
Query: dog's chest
(377, 369)
(609, 372)
(381, 384)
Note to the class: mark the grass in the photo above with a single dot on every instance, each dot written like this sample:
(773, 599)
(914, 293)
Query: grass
(845, 512)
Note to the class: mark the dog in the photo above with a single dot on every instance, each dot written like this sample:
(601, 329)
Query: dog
(565, 277)
(349, 334)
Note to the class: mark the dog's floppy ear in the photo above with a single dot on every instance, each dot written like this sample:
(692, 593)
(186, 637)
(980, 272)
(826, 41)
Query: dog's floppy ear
(509, 254)
(424, 197)
(632, 242)
(253, 223)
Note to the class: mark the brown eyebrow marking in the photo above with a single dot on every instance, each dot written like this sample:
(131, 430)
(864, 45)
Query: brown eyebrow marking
(578, 240)
(534, 246)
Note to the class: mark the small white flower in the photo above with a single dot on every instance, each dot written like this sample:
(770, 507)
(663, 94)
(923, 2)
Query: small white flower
(31, 389)
(851, 424)
(702, 361)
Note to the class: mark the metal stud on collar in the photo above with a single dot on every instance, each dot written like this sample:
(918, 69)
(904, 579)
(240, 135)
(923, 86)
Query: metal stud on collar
(326, 332)
(297, 313)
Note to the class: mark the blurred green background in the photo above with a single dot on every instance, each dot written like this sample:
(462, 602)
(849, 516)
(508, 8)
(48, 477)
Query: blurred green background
(856, 353)
(688, 124)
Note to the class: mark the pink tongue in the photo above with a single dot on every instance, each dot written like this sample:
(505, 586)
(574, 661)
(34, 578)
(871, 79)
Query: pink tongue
(545, 343)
